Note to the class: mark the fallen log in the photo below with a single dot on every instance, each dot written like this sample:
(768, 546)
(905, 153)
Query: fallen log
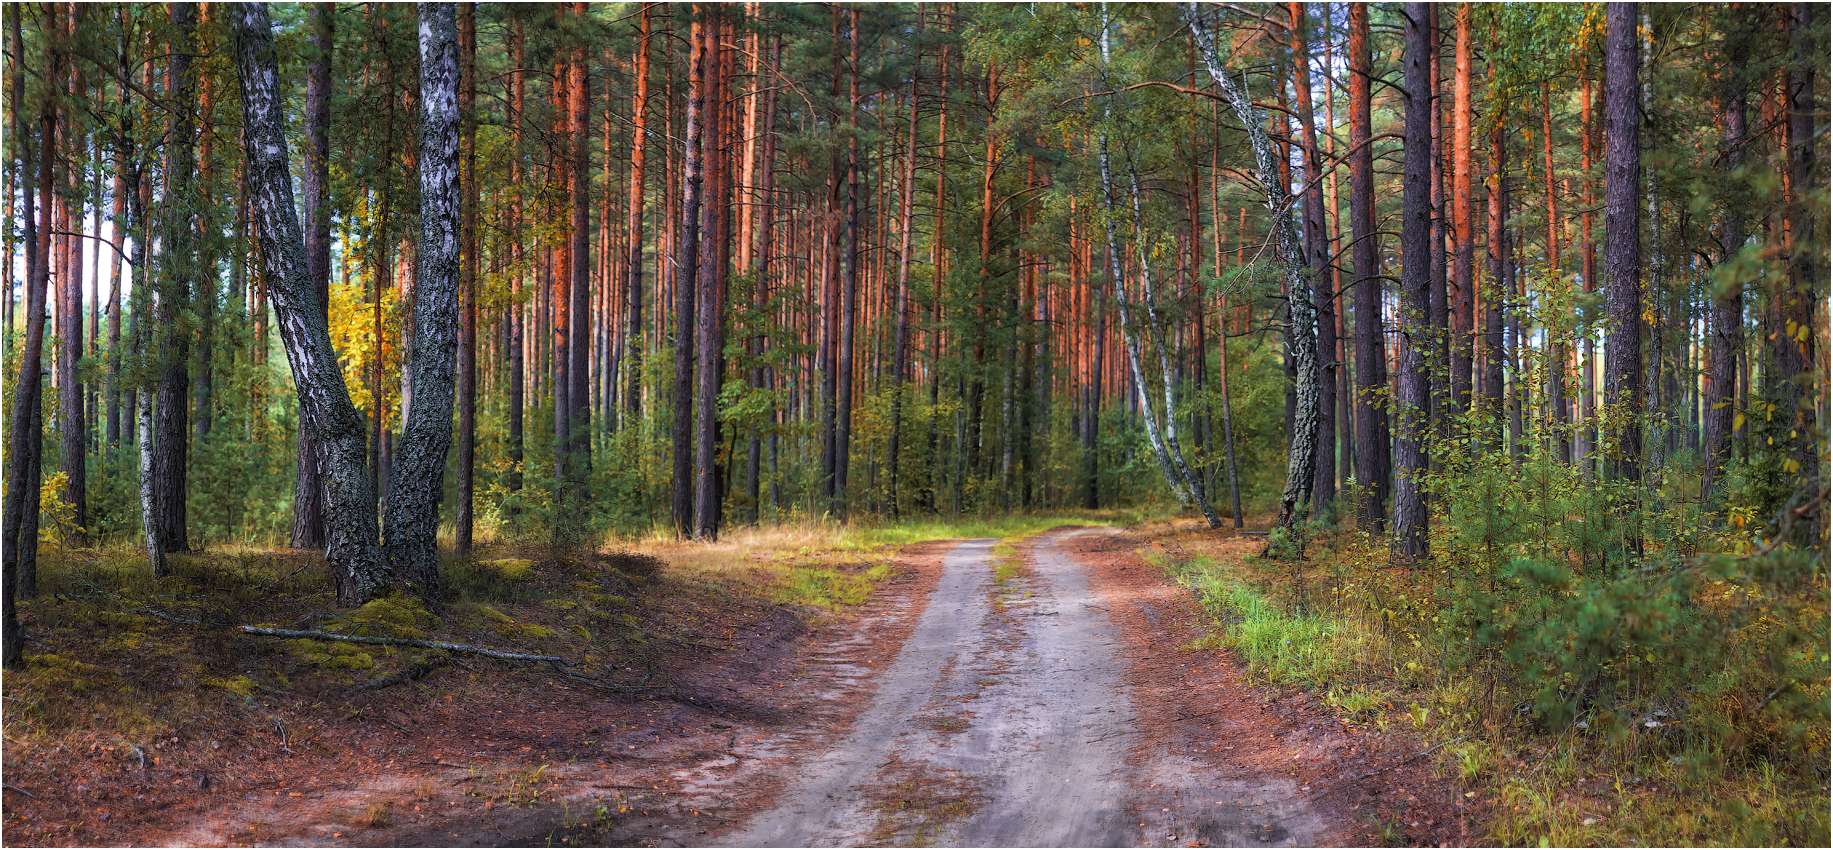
(318, 634)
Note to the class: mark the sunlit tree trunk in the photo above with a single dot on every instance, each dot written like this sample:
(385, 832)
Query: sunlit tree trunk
(1463, 267)
(467, 280)
(633, 292)
(579, 288)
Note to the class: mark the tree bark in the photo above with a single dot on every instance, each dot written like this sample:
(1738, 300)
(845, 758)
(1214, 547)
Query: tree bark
(579, 289)
(709, 328)
(308, 484)
(118, 239)
(1586, 447)
(1371, 421)
(1317, 251)
(337, 429)
(1438, 313)
(417, 470)
(1622, 250)
(849, 281)
(178, 267)
(1416, 336)
(71, 423)
(763, 217)
(633, 293)
(1496, 243)
(21, 536)
(1301, 316)
(467, 281)
(1463, 277)
(518, 330)
(1795, 355)
(686, 262)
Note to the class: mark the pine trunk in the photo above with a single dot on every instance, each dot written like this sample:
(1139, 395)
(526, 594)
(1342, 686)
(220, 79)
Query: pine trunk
(682, 487)
(1371, 422)
(1416, 332)
(1622, 252)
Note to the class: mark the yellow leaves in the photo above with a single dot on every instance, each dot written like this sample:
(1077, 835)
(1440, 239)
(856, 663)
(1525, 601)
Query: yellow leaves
(353, 334)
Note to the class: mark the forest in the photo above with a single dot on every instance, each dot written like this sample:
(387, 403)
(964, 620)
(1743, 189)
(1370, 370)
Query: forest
(1462, 369)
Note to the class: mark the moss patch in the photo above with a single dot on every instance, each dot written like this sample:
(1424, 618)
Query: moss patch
(828, 588)
(508, 569)
(241, 686)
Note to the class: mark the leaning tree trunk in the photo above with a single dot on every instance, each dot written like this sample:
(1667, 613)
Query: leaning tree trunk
(1193, 484)
(417, 473)
(1128, 329)
(325, 407)
(1301, 314)
(1317, 251)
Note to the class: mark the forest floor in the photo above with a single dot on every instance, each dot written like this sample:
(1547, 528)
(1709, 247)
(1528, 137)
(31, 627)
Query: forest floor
(1023, 682)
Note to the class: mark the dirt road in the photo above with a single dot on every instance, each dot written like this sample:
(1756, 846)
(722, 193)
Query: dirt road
(1058, 692)
(1006, 720)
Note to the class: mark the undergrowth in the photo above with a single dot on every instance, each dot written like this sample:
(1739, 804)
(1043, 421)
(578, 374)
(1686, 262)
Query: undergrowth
(1593, 693)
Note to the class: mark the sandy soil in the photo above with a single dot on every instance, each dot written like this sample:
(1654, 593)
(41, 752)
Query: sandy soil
(1010, 719)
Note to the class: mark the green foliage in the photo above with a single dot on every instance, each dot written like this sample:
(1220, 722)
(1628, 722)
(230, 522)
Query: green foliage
(823, 587)
(1282, 646)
